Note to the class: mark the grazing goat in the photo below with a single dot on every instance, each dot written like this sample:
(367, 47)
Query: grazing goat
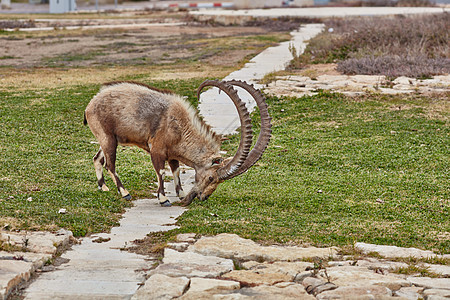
(166, 126)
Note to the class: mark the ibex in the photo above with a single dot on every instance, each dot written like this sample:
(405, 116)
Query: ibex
(166, 126)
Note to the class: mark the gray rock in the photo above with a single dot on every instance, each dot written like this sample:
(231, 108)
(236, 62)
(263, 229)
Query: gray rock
(404, 80)
(203, 288)
(178, 246)
(204, 284)
(12, 273)
(442, 270)
(316, 285)
(379, 264)
(431, 283)
(288, 268)
(394, 251)
(192, 264)
(311, 283)
(17, 267)
(301, 276)
(436, 292)
(324, 287)
(433, 297)
(232, 246)
(162, 287)
(356, 292)
(276, 292)
(38, 242)
(252, 278)
(360, 276)
(186, 237)
(410, 293)
(354, 85)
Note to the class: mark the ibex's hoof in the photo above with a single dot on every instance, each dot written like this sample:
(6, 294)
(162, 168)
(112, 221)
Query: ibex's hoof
(127, 197)
(166, 203)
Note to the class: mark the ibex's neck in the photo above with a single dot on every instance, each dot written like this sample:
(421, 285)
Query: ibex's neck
(197, 151)
(198, 144)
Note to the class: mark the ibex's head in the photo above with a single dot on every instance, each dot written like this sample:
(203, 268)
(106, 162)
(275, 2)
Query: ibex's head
(218, 170)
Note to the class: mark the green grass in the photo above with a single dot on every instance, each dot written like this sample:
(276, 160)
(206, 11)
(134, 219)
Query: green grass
(338, 170)
(47, 155)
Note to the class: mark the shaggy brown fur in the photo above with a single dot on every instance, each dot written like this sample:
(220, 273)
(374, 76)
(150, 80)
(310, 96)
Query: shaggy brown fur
(163, 124)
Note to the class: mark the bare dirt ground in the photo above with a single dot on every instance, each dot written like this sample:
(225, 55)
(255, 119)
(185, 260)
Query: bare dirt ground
(41, 58)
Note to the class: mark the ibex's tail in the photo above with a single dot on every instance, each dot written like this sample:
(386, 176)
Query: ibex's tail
(85, 121)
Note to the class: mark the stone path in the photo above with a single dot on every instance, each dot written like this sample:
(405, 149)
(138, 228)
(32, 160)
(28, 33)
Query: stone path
(17, 266)
(97, 268)
(218, 110)
(207, 269)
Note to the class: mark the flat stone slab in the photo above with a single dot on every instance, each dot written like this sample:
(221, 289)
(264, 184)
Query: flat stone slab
(198, 285)
(357, 276)
(38, 242)
(431, 283)
(280, 291)
(437, 293)
(252, 278)
(288, 268)
(192, 264)
(358, 292)
(442, 270)
(232, 246)
(17, 267)
(12, 273)
(395, 252)
(162, 287)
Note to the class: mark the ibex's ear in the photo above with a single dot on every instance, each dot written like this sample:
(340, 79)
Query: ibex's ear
(216, 161)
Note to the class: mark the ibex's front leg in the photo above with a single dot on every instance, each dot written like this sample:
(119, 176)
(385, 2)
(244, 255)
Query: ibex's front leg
(175, 167)
(158, 163)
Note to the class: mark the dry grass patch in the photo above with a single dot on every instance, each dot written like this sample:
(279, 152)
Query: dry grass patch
(25, 79)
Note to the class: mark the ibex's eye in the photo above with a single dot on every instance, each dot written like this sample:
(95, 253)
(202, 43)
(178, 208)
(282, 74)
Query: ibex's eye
(211, 179)
(217, 161)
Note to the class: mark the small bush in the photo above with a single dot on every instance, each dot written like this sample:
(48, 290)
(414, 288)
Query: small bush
(410, 46)
(395, 66)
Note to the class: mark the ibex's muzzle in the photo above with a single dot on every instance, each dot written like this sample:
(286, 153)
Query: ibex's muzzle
(189, 198)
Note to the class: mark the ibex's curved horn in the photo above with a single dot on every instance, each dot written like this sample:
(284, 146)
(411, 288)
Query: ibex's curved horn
(234, 165)
(265, 133)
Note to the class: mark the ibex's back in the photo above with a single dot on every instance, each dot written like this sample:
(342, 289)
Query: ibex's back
(130, 112)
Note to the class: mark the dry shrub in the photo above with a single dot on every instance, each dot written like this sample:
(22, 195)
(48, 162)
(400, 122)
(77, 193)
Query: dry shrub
(415, 3)
(395, 66)
(383, 46)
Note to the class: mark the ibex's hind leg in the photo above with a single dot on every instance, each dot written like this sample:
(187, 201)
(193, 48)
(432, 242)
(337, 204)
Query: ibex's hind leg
(109, 151)
(175, 167)
(99, 161)
(158, 163)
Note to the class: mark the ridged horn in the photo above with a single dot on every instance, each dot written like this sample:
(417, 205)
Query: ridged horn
(245, 144)
(266, 131)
